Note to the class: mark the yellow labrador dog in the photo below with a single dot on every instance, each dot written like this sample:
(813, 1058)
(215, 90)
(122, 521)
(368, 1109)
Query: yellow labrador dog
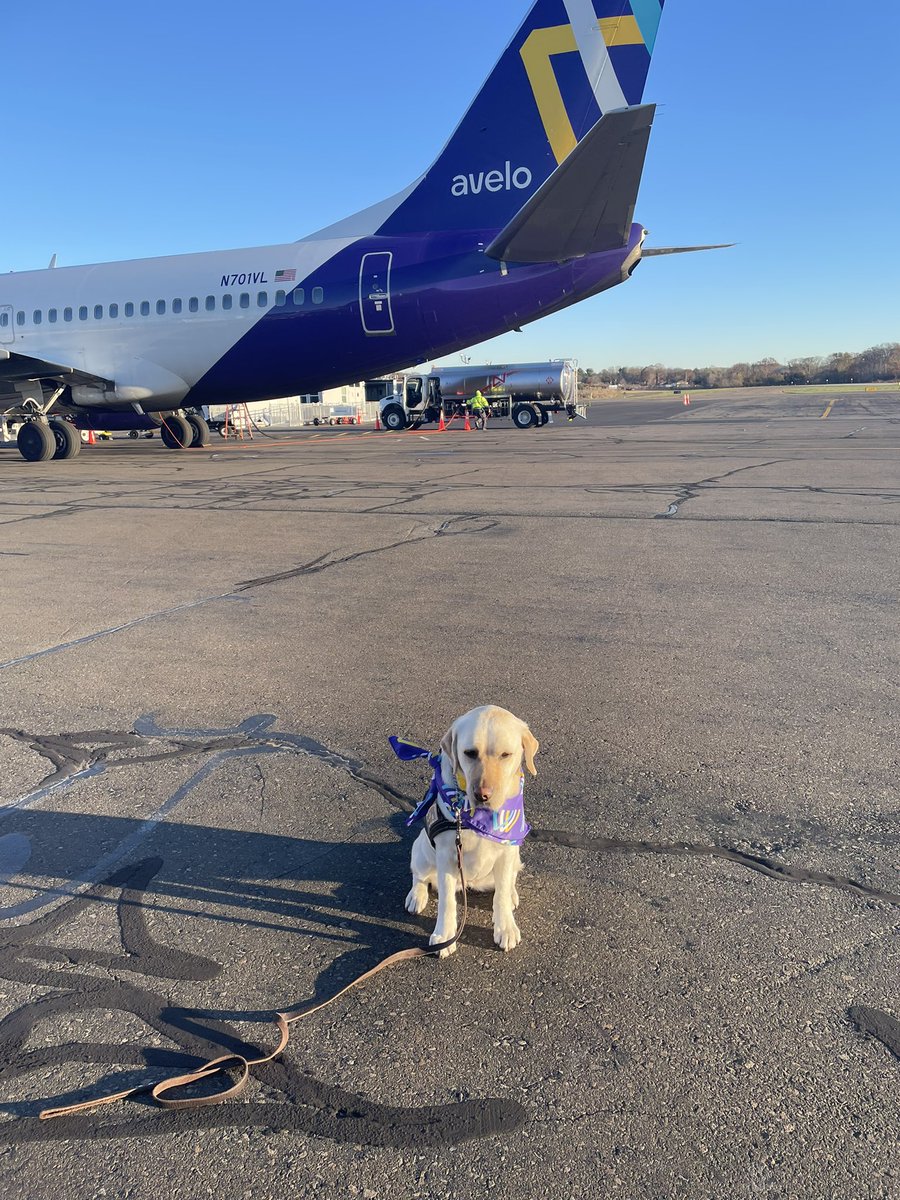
(481, 768)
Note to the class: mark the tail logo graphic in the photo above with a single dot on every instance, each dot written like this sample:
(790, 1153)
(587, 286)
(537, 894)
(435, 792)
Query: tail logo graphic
(592, 38)
(492, 181)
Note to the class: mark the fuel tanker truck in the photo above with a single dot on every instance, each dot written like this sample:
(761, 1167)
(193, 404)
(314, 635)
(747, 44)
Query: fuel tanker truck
(525, 392)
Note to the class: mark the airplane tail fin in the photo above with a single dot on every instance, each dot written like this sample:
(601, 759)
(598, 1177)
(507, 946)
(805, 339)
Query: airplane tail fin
(570, 62)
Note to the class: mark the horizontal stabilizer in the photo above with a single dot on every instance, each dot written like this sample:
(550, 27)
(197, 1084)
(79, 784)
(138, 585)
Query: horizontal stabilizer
(587, 204)
(654, 252)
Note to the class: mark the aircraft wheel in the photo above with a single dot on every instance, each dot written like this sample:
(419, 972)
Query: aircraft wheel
(199, 430)
(175, 432)
(35, 441)
(524, 416)
(66, 438)
(393, 417)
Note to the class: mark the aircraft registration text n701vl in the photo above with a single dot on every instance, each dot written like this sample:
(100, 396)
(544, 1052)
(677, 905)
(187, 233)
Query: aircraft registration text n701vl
(244, 278)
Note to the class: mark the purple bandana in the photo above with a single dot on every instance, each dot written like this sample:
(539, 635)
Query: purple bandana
(506, 825)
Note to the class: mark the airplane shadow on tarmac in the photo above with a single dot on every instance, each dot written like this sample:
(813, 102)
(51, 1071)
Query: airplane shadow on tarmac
(230, 877)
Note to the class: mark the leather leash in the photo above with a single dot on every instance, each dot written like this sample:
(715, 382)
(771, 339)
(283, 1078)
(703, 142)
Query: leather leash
(284, 1020)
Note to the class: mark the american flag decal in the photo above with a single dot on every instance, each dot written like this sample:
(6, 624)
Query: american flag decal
(285, 276)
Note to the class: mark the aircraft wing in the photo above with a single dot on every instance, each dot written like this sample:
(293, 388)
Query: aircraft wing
(21, 367)
(587, 204)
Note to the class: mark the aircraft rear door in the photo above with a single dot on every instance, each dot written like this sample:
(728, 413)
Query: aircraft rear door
(6, 324)
(375, 294)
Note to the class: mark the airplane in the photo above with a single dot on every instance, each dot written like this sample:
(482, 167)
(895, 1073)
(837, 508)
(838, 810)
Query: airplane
(527, 209)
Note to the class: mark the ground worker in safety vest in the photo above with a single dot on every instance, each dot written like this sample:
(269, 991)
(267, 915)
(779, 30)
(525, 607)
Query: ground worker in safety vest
(480, 409)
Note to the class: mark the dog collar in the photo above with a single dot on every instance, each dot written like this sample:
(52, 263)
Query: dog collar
(506, 825)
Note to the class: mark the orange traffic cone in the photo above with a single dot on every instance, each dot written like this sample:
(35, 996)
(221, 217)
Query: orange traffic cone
(92, 441)
(377, 419)
(686, 401)
(467, 426)
(441, 426)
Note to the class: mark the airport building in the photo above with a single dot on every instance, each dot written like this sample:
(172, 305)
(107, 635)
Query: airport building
(290, 412)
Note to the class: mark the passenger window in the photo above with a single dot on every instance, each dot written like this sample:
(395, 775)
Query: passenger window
(262, 299)
(82, 312)
(51, 315)
(36, 315)
(129, 309)
(176, 305)
(300, 296)
(244, 300)
(226, 301)
(210, 304)
(145, 308)
(20, 318)
(160, 308)
(280, 298)
(98, 312)
(113, 311)
(67, 314)
(318, 295)
(4, 320)
(194, 304)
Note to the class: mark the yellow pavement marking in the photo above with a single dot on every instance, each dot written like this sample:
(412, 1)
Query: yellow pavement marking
(829, 408)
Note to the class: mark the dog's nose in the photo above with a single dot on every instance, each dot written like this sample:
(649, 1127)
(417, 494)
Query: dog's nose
(484, 793)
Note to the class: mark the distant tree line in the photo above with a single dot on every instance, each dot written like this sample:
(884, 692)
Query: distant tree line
(878, 363)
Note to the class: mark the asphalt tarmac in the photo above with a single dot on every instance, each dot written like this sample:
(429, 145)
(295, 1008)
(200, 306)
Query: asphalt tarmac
(201, 658)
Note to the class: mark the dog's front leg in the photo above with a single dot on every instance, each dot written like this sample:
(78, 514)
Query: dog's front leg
(447, 879)
(506, 931)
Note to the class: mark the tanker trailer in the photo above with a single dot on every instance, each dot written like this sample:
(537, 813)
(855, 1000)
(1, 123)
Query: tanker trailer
(525, 392)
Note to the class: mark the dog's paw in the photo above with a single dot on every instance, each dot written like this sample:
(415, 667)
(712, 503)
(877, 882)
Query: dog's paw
(507, 935)
(436, 938)
(417, 899)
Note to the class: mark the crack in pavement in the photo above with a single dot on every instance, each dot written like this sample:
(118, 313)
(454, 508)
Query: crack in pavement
(467, 522)
(469, 525)
(88, 753)
(312, 1107)
(764, 866)
(690, 491)
(78, 755)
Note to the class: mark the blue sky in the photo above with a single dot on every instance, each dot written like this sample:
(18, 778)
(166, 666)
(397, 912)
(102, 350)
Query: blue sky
(135, 129)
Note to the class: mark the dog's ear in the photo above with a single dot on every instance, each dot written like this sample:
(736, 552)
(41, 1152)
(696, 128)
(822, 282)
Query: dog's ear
(448, 745)
(530, 746)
